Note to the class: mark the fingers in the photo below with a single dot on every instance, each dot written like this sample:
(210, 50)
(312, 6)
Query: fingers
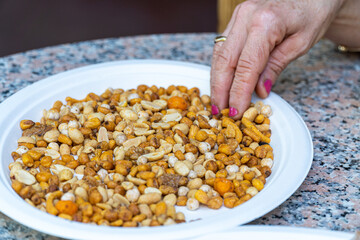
(290, 49)
(225, 57)
(251, 64)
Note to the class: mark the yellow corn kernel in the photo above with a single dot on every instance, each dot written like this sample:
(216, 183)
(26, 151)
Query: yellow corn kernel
(201, 196)
(258, 184)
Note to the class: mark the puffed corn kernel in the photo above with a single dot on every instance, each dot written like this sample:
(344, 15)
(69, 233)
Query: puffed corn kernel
(267, 162)
(192, 204)
(252, 191)
(141, 151)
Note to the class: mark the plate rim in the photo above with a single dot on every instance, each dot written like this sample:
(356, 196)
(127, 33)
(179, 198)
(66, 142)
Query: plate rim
(274, 230)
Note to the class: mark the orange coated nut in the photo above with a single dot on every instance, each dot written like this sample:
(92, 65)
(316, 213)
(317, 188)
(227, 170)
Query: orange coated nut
(67, 207)
(64, 139)
(17, 186)
(229, 202)
(43, 176)
(226, 149)
(27, 160)
(215, 203)
(46, 161)
(201, 196)
(26, 124)
(249, 175)
(223, 185)
(201, 136)
(181, 201)
(242, 200)
(112, 139)
(177, 103)
(160, 208)
(258, 184)
(35, 154)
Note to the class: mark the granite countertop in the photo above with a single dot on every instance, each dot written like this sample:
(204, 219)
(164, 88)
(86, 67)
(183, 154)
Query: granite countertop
(323, 86)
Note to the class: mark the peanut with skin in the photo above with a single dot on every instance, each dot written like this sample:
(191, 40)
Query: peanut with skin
(141, 152)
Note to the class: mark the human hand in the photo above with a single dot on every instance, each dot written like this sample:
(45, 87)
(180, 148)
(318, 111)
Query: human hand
(263, 37)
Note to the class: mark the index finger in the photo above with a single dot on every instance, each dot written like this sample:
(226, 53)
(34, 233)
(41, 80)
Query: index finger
(251, 64)
(226, 55)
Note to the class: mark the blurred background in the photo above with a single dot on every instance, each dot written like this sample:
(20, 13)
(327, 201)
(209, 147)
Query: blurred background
(26, 25)
(31, 24)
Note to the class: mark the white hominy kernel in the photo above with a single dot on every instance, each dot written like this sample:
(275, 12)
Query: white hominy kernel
(73, 124)
(132, 96)
(133, 194)
(266, 111)
(68, 197)
(243, 169)
(105, 106)
(213, 123)
(141, 160)
(21, 150)
(204, 147)
(253, 145)
(190, 157)
(209, 155)
(143, 115)
(267, 162)
(64, 129)
(75, 110)
(200, 170)
(183, 191)
(192, 204)
(252, 191)
(232, 168)
(54, 146)
(110, 117)
(53, 114)
(127, 185)
(172, 160)
(120, 139)
(102, 173)
(192, 174)
(206, 188)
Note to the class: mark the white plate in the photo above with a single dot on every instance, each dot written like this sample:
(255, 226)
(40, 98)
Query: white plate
(277, 233)
(291, 141)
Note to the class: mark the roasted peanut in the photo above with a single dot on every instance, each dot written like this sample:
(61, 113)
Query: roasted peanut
(140, 151)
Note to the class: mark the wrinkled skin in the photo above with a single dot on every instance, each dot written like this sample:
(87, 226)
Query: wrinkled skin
(263, 37)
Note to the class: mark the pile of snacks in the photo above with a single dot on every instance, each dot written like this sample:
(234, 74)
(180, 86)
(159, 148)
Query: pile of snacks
(127, 158)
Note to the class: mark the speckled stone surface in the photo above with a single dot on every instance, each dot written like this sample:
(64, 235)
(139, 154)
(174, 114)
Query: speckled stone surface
(323, 87)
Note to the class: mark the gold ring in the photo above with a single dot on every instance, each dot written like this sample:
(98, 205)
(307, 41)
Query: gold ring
(219, 39)
(345, 49)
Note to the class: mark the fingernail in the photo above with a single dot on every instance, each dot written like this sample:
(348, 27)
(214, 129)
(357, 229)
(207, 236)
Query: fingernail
(268, 85)
(232, 112)
(214, 110)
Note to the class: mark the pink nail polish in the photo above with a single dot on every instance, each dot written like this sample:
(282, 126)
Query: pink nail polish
(232, 112)
(214, 110)
(268, 85)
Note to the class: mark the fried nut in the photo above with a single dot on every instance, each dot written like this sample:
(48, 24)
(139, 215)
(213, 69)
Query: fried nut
(125, 158)
(154, 156)
(24, 177)
(25, 139)
(103, 135)
(149, 198)
(176, 117)
(76, 136)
